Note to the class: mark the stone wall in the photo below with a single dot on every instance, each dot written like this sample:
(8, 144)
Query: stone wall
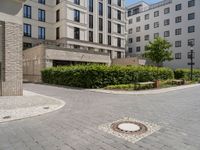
(12, 66)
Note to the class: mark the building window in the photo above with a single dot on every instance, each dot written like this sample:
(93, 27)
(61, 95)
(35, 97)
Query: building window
(119, 15)
(109, 12)
(130, 31)
(91, 5)
(156, 35)
(191, 29)
(177, 43)
(130, 21)
(76, 15)
(138, 39)
(166, 22)
(119, 55)
(109, 2)
(178, 19)
(191, 3)
(119, 3)
(130, 49)
(191, 42)
(57, 2)
(27, 30)
(27, 45)
(178, 31)
(100, 38)
(166, 34)
(119, 42)
(156, 24)
(146, 37)
(41, 2)
(156, 13)
(57, 15)
(109, 27)
(27, 11)
(100, 24)
(109, 40)
(41, 15)
(146, 17)
(138, 19)
(178, 7)
(138, 29)
(41, 33)
(90, 36)
(57, 33)
(130, 40)
(167, 10)
(100, 9)
(91, 21)
(191, 16)
(77, 2)
(146, 27)
(119, 28)
(178, 56)
(76, 33)
(138, 49)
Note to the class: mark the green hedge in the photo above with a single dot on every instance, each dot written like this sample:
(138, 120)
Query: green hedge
(185, 74)
(98, 76)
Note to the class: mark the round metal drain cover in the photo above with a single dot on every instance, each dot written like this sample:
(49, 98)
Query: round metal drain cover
(129, 127)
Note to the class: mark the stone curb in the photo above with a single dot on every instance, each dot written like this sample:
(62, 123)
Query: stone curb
(144, 92)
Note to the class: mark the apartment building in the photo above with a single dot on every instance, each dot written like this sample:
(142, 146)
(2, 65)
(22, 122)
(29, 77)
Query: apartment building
(178, 21)
(72, 32)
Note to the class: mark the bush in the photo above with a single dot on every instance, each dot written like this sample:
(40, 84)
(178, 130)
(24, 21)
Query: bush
(98, 76)
(185, 74)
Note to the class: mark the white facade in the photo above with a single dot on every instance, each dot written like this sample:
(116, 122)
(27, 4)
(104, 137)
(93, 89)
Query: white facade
(178, 13)
(66, 25)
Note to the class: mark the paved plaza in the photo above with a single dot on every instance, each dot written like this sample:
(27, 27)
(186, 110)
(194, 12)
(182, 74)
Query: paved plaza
(75, 126)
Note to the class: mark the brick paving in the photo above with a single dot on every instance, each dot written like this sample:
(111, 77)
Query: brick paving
(75, 126)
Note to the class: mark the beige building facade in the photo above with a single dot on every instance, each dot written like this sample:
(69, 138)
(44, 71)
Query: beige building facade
(11, 48)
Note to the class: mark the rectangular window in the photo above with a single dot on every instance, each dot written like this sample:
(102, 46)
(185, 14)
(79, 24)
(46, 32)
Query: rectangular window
(166, 22)
(146, 37)
(178, 7)
(90, 5)
(130, 31)
(109, 27)
(156, 13)
(191, 3)
(191, 16)
(119, 3)
(41, 33)
(57, 33)
(27, 11)
(27, 30)
(191, 29)
(166, 34)
(191, 42)
(156, 35)
(90, 36)
(146, 27)
(76, 33)
(130, 40)
(100, 9)
(130, 49)
(57, 15)
(138, 49)
(109, 40)
(109, 2)
(77, 2)
(119, 15)
(109, 12)
(91, 21)
(178, 19)
(119, 42)
(146, 17)
(138, 29)
(167, 10)
(178, 56)
(100, 24)
(100, 38)
(156, 24)
(119, 28)
(76, 15)
(138, 39)
(41, 15)
(57, 2)
(41, 2)
(130, 21)
(138, 19)
(119, 55)
(178, 31)
(177, 43)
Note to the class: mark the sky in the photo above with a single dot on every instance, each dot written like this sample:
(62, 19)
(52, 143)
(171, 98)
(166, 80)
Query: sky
(128, 2)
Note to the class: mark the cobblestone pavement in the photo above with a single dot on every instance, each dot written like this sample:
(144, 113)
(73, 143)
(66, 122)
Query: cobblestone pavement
(75, 126)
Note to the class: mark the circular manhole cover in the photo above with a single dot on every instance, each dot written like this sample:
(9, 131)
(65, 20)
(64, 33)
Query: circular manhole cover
(129, 127)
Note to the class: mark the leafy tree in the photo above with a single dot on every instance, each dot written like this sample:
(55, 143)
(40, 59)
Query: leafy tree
(158, 51)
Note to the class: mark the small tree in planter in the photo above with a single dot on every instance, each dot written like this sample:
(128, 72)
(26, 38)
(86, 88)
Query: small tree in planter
(158, 52)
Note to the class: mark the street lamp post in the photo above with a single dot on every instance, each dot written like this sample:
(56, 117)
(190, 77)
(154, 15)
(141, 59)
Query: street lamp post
(191, 57)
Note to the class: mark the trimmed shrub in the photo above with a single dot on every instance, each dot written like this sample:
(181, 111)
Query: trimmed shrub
(98, 76)
(185, 74)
